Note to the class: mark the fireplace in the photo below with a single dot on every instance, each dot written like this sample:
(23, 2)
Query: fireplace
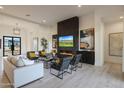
(66, 52)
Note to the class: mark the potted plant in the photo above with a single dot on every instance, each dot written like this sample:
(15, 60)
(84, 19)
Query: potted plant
(44, 43)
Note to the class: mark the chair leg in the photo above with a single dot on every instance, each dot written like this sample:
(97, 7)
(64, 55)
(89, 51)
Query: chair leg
(71, 69)
(50, 70)
(62, 74)
(80, 65)
(75, 68)
(70, 72)
(59, 75)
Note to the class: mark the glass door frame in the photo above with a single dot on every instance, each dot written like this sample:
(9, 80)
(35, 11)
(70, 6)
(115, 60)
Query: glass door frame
(12, 49)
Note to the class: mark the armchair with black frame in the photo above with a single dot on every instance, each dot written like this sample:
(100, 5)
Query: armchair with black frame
(61, 67)
(74, 62)
(42, 53)
(31, 55)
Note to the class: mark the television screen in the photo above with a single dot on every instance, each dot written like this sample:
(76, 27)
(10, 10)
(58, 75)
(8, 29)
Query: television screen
(66, 41)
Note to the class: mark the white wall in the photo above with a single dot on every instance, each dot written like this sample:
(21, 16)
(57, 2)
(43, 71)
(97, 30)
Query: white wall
(99, 40)
(28, 31)
(113, 27)
(93, 20)
(123, 50)
(86, 21)
(52, 31)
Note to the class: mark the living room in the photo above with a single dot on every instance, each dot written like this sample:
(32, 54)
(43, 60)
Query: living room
(36, 23)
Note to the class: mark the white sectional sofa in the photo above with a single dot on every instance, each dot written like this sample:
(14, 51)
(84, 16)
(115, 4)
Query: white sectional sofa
(19, 76)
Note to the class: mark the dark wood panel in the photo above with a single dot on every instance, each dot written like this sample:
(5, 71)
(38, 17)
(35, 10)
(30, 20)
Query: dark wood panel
(87, 57)
(69, 27)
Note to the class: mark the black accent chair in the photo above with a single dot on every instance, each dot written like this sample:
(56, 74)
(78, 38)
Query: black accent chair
(74, 62)
(62, 67)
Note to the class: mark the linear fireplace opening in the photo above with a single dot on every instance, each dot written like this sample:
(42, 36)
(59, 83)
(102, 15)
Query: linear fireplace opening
(67, 52)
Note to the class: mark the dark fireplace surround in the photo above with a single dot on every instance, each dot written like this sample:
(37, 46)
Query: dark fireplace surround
(68, 27)
(71, 27)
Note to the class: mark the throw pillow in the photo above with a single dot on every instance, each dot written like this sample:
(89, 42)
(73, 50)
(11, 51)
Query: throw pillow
(32, 55)
(27, 61)
(20, 62)
(43, 53)
(58, 61)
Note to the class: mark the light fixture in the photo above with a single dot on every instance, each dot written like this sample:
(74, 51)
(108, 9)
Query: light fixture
(44, 21)
(79, 6)
(16, 30)
(1, 7)
(121, 17)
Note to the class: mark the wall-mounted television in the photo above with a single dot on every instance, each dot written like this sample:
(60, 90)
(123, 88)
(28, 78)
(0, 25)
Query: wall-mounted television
(66, 41)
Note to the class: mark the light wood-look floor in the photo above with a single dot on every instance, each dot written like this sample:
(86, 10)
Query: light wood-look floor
(89, 76)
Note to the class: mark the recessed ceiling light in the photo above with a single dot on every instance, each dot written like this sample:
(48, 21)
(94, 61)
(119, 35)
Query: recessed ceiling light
(44, 21)
(1, 7)
(79, 6)
(121, 17)
(27, 15)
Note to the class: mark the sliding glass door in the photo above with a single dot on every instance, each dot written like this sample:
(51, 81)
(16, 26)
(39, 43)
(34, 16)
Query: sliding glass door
(17, 46)
(7, 41)
(11, 45)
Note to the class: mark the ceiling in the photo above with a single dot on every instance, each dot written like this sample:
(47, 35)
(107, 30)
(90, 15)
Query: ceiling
(55, 13)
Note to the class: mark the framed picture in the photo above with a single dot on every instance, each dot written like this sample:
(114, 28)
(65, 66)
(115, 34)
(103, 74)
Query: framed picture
(116, 44)
(87, 39)
(54, 44)
(54, 41)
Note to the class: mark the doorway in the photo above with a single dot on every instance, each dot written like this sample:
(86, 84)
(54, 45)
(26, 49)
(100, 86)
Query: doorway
(113, 42)
(11, 45)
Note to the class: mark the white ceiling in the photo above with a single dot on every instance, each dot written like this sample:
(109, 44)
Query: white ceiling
(55, 13)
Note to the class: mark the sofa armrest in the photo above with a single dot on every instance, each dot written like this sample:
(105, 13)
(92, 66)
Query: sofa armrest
(27, 74)
(8, 69)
